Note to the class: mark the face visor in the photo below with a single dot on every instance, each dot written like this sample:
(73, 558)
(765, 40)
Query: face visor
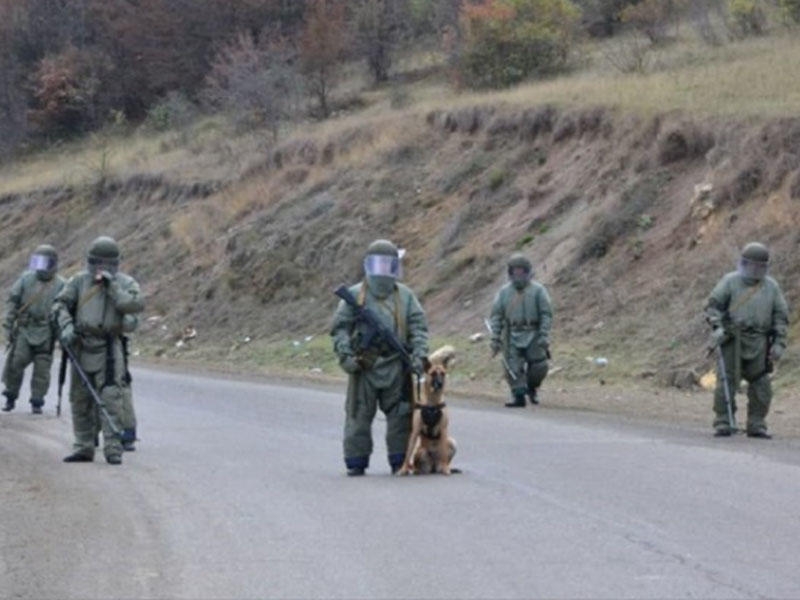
(42, 262)
(753, 269)
(519, 275)
(98, 265)
(382, 265)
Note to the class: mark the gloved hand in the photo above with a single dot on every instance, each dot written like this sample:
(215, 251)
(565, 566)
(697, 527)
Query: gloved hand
(417, 365)
(546, 347)
(349, 364)
(9, 336)
(717, 337)
(129, 323)
(68, 336)
(775, 353)
(104, 277)
(495, 346)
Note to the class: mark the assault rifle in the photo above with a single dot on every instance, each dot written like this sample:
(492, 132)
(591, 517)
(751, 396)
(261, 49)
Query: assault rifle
(377, 330)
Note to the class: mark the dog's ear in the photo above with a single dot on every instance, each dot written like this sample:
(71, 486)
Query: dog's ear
(426, 364)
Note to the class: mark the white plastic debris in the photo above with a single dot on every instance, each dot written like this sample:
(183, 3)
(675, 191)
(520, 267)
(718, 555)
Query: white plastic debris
(601, 361)
(476, 337)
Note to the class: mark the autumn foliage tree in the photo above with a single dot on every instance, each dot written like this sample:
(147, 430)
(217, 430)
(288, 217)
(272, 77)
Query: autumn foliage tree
(68, 91)
(506, 41)
(323, 43)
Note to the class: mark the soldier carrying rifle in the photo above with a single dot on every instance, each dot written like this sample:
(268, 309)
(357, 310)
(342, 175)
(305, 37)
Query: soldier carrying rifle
(28, 329)
(380, 336)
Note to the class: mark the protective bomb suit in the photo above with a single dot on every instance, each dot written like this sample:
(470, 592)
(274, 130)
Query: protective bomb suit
(28, 328)
(750, 320)
(520, 321)
(377, 375)
(89, 313)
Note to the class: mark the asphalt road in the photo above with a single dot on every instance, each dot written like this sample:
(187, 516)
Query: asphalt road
(237, 490)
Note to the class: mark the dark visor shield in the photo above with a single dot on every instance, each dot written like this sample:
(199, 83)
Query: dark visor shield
(519, 273)
(383, 265)
(42, 262)
(753, 269)
(98, 265)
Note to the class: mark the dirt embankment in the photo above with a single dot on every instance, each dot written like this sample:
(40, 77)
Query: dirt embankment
(629, 221)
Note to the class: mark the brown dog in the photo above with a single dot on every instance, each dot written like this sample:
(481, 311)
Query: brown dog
(430, 448)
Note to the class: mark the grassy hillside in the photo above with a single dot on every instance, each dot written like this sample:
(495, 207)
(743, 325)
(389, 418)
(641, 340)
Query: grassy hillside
(631, 193)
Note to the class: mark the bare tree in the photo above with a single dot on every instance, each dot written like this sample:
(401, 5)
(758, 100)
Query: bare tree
(255, 82)
(380, 26)
(322, 45)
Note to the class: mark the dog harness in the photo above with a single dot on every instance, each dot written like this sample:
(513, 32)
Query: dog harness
(431, 415)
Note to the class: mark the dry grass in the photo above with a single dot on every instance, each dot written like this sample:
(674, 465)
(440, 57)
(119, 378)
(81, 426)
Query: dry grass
(752, 78)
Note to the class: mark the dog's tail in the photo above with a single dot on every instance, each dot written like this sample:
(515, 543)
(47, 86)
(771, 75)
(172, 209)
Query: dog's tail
(445, 354)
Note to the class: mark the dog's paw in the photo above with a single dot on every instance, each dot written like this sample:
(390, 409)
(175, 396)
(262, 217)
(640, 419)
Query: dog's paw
(444, 469)
(403, 471)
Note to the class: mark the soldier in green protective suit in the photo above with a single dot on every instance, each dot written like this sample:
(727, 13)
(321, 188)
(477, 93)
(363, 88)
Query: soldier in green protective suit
(520, 323)
(28, 328)
(377, 376)
(749, 319)
(90, 312)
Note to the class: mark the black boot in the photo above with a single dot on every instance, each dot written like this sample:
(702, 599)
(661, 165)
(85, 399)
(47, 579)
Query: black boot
(36, 406)
(533, 395)
(10, 402)
(356, 465)
(760, 434)
(517, 402)
(128, 439)
(78, 457)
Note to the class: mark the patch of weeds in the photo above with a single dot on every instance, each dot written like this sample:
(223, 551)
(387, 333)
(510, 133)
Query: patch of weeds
(645, 222)
(523, 242)
(497, 179)
(637, 248)
(467, 171)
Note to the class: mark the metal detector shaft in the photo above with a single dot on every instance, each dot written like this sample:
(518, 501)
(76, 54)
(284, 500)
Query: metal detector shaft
(726, 387)
(506, 366)
(62, 377)
(90, 388)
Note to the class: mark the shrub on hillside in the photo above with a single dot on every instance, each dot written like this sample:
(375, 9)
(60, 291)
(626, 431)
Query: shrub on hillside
(747, 17)
(791, 9)
(68, 90)
(654, 17)
(174, 111)
(506, 41)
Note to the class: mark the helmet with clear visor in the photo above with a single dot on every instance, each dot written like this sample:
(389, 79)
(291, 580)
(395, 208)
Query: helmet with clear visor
(382, 260)
(44, 261)
(754, 261)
